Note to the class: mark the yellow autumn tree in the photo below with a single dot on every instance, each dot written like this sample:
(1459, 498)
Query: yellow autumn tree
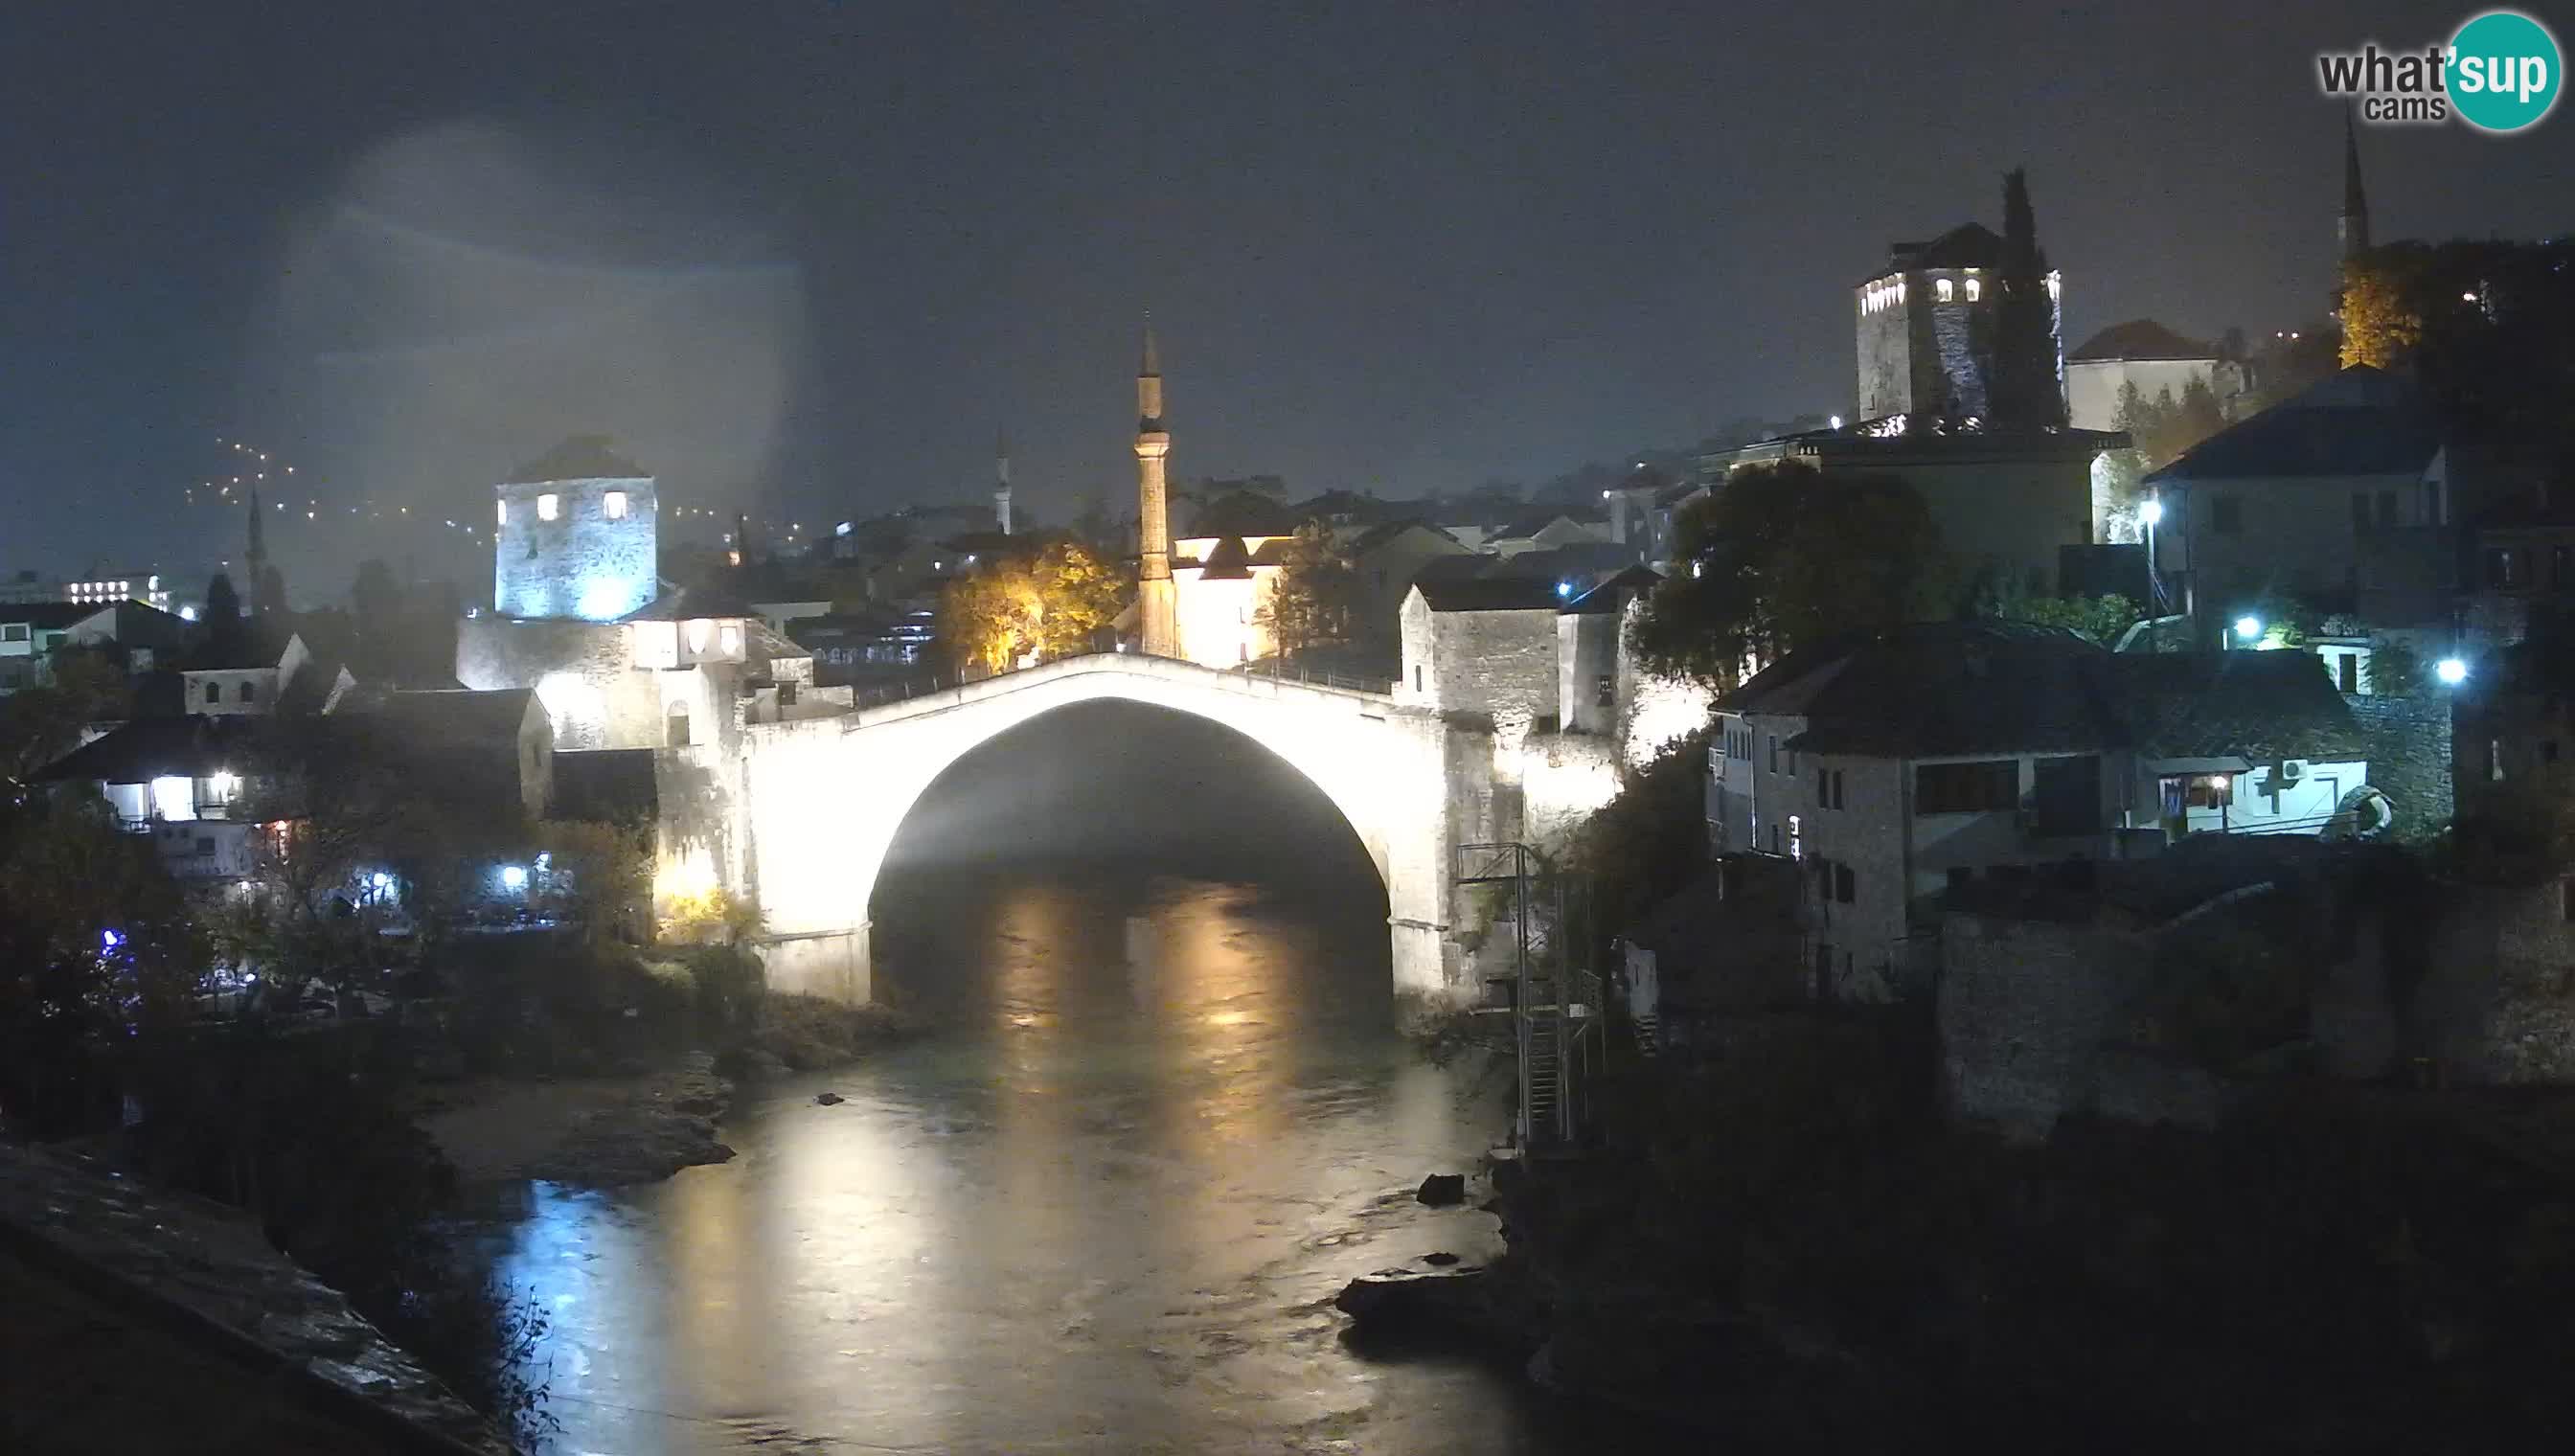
(1030, 608)
(2382, 305)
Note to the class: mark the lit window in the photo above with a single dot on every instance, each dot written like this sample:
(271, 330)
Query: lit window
(546, 506)
(732, 637)
(613, 507)
(1975, 289)
(1945, 288)
(505, 514)
(697, 632)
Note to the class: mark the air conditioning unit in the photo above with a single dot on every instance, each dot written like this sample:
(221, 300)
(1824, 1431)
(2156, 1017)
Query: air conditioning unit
(2290, 770)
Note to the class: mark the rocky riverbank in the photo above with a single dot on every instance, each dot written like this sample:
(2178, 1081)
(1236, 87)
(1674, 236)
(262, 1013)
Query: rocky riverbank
(589, 1132)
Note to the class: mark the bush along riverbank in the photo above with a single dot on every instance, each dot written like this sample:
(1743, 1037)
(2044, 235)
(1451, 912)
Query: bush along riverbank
(1782, 1241)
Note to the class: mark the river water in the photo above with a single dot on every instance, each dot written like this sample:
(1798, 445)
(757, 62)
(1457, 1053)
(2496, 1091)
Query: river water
(1104, 1207)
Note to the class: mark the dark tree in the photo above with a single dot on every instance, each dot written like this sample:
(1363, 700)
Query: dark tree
(1782, 557)
(376, 603)
(223, 603)
(268, 593)
(2025, 389)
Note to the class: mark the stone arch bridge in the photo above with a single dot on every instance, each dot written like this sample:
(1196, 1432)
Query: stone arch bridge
(799, 814)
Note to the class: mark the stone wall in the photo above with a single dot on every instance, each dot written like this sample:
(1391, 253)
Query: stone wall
(594, 696)
(2408, 743)
(2032, 1016)
(2497, 1003)
(584, 563)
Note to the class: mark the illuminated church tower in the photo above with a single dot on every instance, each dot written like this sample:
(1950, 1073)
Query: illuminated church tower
(1156, 600)
(576, 536)
(1002, 483)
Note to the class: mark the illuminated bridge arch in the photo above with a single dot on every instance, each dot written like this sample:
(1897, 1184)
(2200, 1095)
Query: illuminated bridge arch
(819, 801)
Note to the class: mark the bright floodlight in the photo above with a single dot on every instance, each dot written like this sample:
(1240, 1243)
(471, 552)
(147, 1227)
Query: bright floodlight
(514, 876)
(2151, 512)
(1837, 422)
(381, 881)
(2451, 671)
(187, 614)
(1564, 589)
(2248, 628)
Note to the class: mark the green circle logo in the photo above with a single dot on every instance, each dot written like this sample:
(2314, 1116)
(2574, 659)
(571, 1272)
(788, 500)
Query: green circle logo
(2502, 71)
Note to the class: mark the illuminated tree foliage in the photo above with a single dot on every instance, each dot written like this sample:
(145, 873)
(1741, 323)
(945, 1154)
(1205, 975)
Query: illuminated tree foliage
(2383, 299)
(1780, 557)
(2103, 618)
(2490, 328)
(1030, 608)
(1314, 600)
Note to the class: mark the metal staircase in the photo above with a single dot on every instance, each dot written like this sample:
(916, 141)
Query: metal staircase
(1554, 1005)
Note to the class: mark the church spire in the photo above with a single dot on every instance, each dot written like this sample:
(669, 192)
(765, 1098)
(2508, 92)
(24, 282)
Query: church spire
(2351, 230)
(258, 556)
(1157, 599)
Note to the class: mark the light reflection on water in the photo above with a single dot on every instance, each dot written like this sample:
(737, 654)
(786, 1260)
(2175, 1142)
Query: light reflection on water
(1104, 1210)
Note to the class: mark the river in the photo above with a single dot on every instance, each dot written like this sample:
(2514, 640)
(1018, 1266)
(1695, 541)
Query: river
(1104, 1207)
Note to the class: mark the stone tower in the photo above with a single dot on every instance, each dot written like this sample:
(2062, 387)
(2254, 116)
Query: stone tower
(1157, 599)
(2351, 229)
(577, 535)
(1002, 483)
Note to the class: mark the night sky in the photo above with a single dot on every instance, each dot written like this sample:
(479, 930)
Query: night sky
(807, 257)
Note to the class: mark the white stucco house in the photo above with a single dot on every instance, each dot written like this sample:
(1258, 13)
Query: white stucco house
(1896, 766)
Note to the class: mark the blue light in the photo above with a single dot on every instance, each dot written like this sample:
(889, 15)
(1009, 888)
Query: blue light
(1564, 589)
(514, 876)
(2451, 670)
(109, 939)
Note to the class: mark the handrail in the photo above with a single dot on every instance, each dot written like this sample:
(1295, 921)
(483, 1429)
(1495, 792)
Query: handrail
(904, 691)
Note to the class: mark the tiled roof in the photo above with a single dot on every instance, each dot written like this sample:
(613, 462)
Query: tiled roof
(1241, 512)
(152, 747)
(1378, 534)
(447, 718)
(2258, 705)
(1981, 687)
(2139, 339)
(1226, 561)
(1968, 245)
(1615, 594)
(253, 642)
(2360, 421)
(579, 458)
(1447, 587)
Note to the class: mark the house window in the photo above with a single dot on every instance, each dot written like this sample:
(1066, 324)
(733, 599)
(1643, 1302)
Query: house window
(2225, 515)
(502, 517)
(1774, 752)
(1417, 678)
(613, 506)
(1975, 289)
(2347, 671)
(249, 693)
(1837, 788)
(1945, 288)
(729, 641)
(2503, 568)
(14, 631)
(547, 505)
(1797, 838)
(214, 692)
(1949, 788)
(2388, 510)
(1607, 690)
(2065, 795)
(1845, 883)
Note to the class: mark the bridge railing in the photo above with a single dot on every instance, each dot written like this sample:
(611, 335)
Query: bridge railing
(905, 691)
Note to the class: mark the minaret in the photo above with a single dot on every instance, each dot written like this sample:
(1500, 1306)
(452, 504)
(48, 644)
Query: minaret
(1156, 600)
(2351, 230)
(1002, 481)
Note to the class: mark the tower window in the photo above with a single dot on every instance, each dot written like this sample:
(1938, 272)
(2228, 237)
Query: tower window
(614, 505)
(1975, 289)
(504, 518)
(1945, 288)
(547, 506)
(730, 639)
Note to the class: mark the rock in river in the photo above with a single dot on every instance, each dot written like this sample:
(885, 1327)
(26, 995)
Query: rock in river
(827, 1099)
(1442, 1190)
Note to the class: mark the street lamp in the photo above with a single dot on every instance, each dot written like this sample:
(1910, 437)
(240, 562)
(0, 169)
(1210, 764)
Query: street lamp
(2248, 627)
(2451, 670)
